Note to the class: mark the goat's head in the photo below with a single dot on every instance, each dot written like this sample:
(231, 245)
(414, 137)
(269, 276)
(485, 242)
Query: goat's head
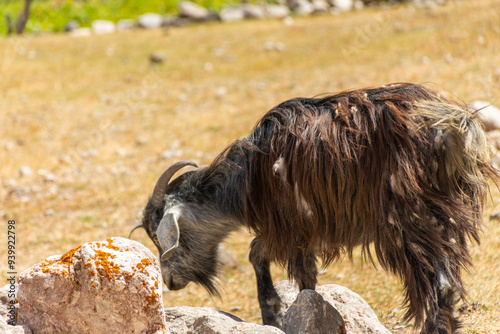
(173, 219)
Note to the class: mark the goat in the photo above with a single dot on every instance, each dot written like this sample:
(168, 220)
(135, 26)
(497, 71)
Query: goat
(398, 167)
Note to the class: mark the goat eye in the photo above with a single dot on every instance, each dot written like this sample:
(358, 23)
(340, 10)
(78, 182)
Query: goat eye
(155, 239)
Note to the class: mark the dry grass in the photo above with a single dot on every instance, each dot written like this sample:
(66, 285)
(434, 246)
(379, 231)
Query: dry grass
(95, 114)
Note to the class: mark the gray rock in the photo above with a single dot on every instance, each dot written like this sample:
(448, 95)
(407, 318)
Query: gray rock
(195, 12)
(156, 58)
(81, 32)
(276, 11)
(175, 21)
(125, 24)
(357, 314)
(230, 14)
(184, 320)
(488, 114)
(71, 25)
(25, 171)
(253, 11)
(342, 5)
(301, 7)
(110, 286)
(101, 27)
(320, 6)
(150, 20)
(495, 215)
(311, 314)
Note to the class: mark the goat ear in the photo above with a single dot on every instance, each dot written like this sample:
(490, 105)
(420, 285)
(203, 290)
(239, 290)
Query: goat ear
(168, 235)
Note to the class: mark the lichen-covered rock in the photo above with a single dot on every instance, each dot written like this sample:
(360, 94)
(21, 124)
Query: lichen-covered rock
(358, 315)
(111, 286)
(5, 328)
(184, 320)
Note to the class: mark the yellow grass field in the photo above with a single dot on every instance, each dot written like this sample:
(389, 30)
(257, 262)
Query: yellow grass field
(96, 124)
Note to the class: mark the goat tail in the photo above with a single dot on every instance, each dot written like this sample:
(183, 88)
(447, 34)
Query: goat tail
(461, 143)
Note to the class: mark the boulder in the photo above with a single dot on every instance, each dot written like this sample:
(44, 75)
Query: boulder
(110, 286)
(311, 314)
(150, 21)
(320, 6)
(101, 27)
(342, 5)
(488, 114)
(253, 11)
(301, 7)
(276, 11)
(184, 319)
(195, 12)
(357, 314)
(229, 14)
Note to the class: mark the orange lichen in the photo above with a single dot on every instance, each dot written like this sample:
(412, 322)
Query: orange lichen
(110, 244)
(68, 256)
(146, 262)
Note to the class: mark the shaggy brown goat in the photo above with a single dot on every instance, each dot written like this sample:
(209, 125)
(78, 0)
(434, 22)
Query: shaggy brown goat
(397, 167)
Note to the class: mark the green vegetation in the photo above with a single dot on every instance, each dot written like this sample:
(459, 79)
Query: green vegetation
(52, 15)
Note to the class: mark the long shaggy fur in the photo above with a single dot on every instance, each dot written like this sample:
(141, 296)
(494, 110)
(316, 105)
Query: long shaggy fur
(399, 167)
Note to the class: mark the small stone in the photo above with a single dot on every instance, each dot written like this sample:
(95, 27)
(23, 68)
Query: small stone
(495, 215)
(49, 212)
(208, 66)
(169, 154)
(288, 21)
(125, 24)
(71, 25)
(141, 141)
(193, 11)
(220, 92)
(150, 21)
(100, 27)
(156, 58)
(25, 171)
(121, 152)
(81, 32)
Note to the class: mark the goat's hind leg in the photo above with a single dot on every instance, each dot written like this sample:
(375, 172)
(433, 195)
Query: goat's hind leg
(269, 301)
(443, 321)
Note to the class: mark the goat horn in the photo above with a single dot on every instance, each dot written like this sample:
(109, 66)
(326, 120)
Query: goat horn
(162, 183)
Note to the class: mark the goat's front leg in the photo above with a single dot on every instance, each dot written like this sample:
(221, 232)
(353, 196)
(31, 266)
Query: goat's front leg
(269, 301)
